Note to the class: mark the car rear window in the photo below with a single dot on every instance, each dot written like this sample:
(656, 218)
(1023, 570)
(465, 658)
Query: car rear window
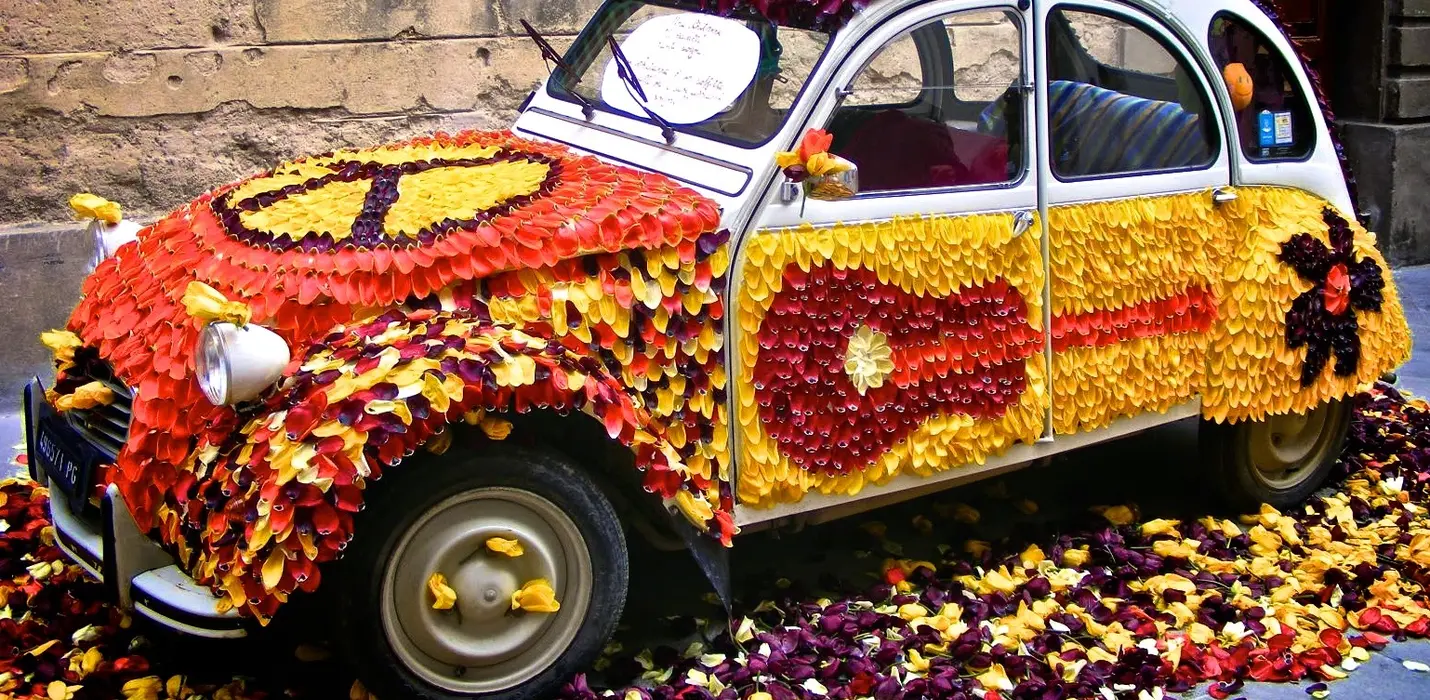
(1273, 118)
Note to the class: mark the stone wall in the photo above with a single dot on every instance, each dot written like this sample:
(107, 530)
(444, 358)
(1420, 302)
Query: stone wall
(149, 102)
(1380, 88)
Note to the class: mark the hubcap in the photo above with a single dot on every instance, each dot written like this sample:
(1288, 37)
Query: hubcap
(481, 645)
(1286, 449)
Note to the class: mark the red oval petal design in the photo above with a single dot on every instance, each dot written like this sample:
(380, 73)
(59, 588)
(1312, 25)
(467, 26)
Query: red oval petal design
(961, 354)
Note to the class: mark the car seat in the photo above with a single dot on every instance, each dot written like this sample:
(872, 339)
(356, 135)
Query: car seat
(1098, 131)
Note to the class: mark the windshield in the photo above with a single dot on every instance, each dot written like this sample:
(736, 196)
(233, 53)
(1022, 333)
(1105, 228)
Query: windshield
(731, 79)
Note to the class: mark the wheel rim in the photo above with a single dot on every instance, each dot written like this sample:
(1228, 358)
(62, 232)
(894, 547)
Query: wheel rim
(1286, 449)
(481, 645)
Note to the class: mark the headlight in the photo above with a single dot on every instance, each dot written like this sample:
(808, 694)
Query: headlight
(109, 237)
(236, 364)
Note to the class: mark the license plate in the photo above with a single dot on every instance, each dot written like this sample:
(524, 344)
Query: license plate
(64, 456)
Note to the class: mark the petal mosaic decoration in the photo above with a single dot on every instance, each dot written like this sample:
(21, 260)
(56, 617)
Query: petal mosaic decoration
(1155, 301)
(1210, 280)
(964, 354)
(826, 16)
(958, 300)
(1323, 318)
(618, 276)
(1253, 369)
(1136, 280)
(615, 280)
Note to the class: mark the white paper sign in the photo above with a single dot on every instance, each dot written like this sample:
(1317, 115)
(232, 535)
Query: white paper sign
(691, 66)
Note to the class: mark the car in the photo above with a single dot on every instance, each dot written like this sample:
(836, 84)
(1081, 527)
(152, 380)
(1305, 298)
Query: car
(737, 265)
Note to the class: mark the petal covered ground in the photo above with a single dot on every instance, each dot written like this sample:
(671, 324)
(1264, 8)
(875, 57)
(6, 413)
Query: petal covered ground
(1130, 607)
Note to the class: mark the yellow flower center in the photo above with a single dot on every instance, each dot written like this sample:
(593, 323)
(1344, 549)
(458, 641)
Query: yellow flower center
(868, 360)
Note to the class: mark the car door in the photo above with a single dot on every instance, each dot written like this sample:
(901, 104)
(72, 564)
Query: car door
(898, 334)
(1135, 163)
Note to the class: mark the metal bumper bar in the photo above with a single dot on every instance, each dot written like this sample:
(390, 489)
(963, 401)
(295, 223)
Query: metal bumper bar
(139, 575)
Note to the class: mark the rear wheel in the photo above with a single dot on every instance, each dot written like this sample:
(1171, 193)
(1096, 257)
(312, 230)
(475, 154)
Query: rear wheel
(437, 518)
(1278, 460)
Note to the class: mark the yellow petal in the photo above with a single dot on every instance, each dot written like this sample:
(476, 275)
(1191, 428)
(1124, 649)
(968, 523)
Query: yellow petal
(1200, 633)
(90, 661)
(273, 569)
(93, 206)
(696, 510)
(61, 343)
(502, 545)
(358, 692)
(784, 159)
(146, 688)
(208, 304)
(917, 662)
(1160, 526)
(995, 678)
(440, 443)
(1000, 581)
(1032, 556)
(1119, 515)
(822, 164)
(434, 392)
(175, 687)
(536, 596)
(1172, 549)
(87, 396)
(1096, 654)
(443, 595)
(495, 428)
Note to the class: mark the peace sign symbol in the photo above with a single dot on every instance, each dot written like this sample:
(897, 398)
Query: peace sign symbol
(335, 202)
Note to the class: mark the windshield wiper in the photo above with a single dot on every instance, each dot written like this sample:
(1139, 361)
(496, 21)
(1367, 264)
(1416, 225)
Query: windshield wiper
(549, 55)
(627, 75)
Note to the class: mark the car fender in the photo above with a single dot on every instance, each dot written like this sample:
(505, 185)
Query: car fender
(1272, 321)
(371, 394)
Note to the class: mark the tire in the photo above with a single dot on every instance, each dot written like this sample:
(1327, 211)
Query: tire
(442, 511)
(1280, 460)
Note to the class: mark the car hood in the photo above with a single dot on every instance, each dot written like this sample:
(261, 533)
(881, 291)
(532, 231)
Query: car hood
(318, 241)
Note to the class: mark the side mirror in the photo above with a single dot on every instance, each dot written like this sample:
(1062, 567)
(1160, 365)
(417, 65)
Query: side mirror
(840, 185)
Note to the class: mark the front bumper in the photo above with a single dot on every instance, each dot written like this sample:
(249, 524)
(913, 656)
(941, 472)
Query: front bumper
(139, 575)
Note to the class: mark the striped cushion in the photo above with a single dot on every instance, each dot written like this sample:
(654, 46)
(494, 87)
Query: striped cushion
(1097, 131)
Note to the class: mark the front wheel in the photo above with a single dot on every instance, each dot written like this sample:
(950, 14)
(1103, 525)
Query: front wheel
(1279, 460)
(437, 517)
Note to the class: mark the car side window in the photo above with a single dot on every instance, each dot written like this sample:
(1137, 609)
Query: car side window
(1273, 117)
(1122, 101)
(937, 107)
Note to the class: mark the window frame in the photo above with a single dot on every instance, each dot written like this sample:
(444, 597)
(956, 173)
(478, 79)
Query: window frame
(911, 33)
(1025, 70)
(1309, 108)
(1175, 46)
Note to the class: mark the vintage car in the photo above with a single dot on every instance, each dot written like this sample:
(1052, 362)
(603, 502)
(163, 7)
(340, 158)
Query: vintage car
(795, 259)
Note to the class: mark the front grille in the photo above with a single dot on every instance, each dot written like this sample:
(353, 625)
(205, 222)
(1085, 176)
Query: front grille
(105, 427)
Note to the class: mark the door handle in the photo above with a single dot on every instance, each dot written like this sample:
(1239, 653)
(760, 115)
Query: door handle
(1022, 221)
(789, 191)
(1224, 195)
